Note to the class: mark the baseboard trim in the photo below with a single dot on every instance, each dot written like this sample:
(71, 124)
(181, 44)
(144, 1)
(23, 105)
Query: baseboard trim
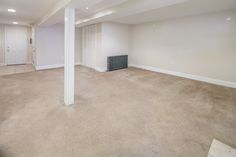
(96, 68)
(189, 76)
(3, 64)
(45, 67)
(100, 69)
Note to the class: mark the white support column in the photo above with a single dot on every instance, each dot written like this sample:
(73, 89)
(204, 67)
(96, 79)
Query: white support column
(69, 68)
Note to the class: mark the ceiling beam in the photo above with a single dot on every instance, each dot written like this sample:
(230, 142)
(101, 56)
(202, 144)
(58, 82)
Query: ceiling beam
(61, 4)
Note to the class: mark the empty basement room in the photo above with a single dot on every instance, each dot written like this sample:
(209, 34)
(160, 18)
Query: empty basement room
(117, 78)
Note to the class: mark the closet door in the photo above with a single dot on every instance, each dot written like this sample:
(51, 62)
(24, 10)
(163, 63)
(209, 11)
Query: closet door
(89, 46)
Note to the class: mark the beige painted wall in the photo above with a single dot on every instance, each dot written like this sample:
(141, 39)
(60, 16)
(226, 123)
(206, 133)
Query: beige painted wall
(203, 45)
(115, 40)
(49, 46)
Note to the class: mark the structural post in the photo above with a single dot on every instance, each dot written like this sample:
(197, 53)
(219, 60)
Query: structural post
(69, 68)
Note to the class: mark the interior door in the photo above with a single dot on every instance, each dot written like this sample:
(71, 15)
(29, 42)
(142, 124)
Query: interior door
(15, 45)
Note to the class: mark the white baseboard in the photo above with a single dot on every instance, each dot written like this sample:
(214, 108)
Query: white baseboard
(4, 64)
(44, 67)
(100, 69)
(96, 68)
(189, 76)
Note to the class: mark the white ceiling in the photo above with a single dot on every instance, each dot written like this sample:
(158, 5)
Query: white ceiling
(94, 6)
(188, 8)
(27, 11)
(48, 12)
(116, 8)
(140, 11)
(130, 7)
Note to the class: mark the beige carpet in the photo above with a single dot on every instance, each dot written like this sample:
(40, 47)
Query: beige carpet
(127, 113)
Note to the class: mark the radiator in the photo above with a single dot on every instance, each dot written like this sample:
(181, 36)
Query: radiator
(117, 62)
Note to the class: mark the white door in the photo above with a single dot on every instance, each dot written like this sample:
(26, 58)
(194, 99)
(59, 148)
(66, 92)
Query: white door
(15, 45)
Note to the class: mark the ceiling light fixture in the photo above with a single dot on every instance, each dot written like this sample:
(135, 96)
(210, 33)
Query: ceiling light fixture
(87, 8)
(228, 18)
(11, 10)
(15, 23)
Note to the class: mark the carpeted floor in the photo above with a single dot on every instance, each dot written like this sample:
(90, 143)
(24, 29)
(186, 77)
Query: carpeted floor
(16, 69)
(126, 113)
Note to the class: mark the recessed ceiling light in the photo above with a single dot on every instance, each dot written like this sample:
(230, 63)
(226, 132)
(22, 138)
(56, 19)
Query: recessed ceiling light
(11, 10)
(15, 23)
(228, 18)
(87, 8)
